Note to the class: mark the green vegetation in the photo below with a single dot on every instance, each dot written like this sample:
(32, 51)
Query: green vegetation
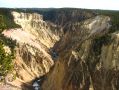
(114, 18)
(6, 19)
(6, 59)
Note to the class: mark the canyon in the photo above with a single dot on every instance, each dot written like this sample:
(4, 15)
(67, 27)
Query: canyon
(70, 51)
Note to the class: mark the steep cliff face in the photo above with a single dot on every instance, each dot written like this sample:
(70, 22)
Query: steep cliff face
(33, 23)
(88, 58)
(78, 46)
(78, 32)
(34, 40)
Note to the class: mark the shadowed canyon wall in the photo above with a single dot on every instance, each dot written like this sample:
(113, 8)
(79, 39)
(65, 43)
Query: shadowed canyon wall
(73, 49)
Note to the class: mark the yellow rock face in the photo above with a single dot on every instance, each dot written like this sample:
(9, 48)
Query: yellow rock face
(86, 55)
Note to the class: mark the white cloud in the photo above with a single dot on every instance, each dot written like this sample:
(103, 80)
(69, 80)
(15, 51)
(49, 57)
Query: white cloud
(93, 4)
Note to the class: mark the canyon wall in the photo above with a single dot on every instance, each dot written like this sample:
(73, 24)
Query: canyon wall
(34, 40)
(74, 50)
(88, 58)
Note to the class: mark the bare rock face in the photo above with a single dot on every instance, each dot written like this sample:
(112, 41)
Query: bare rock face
(79, 32)
(34, 39)
(88, 58)
(34, 24)
(86, 55)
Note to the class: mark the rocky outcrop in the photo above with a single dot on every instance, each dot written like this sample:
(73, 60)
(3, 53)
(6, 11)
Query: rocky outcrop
(33, 23)
(79, 32)
(34, 40)
(78, 46)
(88, 58)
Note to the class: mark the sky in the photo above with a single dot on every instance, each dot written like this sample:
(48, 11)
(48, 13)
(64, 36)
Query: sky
(90, 4)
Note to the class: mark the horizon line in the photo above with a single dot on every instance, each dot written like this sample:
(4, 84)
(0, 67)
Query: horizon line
(58, 8)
